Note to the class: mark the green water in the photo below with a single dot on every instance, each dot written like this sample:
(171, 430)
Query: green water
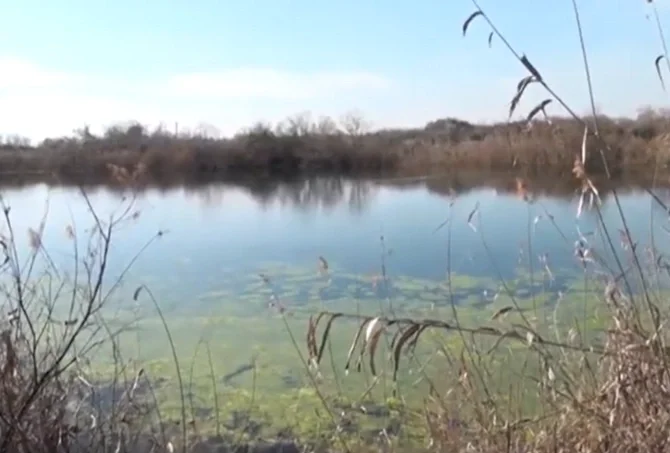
(237, 277)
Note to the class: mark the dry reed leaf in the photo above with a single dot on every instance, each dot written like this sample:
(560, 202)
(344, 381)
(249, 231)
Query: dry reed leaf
(69, 232)
(411, 330)
(374, 341)
(373, 327)
(658, 69)
(324, 337)
(467, 22)
(538, 108)
(520, 90)
(395, 337)
(501, 312)
(311, 335)
(357, 335)
(310, 338)
(137, 292)
(529, 66)
(415, 338)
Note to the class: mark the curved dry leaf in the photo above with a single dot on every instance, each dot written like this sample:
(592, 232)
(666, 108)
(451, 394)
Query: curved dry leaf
(324, 337)
(372, 326)
(395, 337)
(415, 338)
(538, 108)
(310, 337)
(501, 312)
(357, 335)
(523, 83)
(398, 347)
(311, 334)
(490, 39)
(520, 90)
(374, 341)
(467, 22)
(658, 69)
(137, 292)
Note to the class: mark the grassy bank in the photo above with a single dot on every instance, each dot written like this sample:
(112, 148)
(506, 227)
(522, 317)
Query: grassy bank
(302, 147)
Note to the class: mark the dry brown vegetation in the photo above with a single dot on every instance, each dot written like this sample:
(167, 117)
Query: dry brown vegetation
(607, 392)
(52, 323)
(301, 146)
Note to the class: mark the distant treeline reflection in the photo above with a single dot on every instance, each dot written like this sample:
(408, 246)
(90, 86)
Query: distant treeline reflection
(329, 192)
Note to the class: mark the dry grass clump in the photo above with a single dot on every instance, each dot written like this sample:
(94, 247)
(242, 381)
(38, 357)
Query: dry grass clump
(52, 320)
(610, 396)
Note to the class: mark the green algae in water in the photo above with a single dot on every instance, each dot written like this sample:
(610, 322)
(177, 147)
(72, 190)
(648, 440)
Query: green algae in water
(235, 322)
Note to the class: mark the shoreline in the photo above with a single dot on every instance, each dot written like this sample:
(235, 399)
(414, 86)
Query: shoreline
(545, 150)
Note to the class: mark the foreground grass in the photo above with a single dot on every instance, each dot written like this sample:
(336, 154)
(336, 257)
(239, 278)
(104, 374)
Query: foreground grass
(306, 148)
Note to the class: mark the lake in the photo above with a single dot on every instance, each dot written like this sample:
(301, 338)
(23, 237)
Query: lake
(352, 246)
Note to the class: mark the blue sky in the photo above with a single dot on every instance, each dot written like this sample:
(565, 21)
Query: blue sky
(229, 64)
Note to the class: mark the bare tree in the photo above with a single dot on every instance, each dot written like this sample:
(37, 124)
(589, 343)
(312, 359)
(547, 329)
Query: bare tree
(354, 124)
(326, 126)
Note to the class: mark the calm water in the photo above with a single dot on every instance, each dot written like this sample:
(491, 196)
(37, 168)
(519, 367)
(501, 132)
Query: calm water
(223, 228)
(204, 271)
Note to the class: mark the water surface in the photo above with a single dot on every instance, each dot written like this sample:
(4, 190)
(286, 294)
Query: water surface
(387, 248)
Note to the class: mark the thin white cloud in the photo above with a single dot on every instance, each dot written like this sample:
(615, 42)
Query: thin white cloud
(271, 84)
(38, 102)
(16, 73)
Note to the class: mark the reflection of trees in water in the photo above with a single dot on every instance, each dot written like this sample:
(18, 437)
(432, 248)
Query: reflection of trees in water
(325, 193)
(303, 194)
(212, 195)
(328, 192)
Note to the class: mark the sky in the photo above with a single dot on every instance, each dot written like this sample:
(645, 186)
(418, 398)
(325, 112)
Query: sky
(228, 64)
